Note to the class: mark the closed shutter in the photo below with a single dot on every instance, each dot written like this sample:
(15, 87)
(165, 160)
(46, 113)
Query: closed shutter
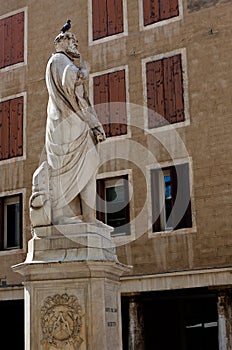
(16, 127)
(101, 100)
(4, 129)
(181, 214)
(1, 223)
(165, 99)
(7, 41)
(117, 99)
(99, 15)
(155, 94)
(107, 18)
(12, 40)
(115, 17)
(178, 88)
(100, 201)
(158, 10)
(17, 53)
(155, 196)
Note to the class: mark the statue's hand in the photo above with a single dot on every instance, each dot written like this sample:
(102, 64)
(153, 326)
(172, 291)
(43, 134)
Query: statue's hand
(99, 134)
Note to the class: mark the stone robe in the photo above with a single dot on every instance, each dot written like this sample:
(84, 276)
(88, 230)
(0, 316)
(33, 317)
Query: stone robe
(70, 144)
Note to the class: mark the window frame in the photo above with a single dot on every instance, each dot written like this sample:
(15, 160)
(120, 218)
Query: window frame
(111, 37)
(91, 96)
(169, 231)
(23, 156)
(22, 248)
(186, 122)
(160, 23)
(24, 62)
(123, 238)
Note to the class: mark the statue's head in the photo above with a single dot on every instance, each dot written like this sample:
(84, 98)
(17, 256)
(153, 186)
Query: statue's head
(68, 43)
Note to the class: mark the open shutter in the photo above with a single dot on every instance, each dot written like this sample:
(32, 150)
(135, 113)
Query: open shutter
(1, 222)
(156, 210)
(117, 98)
(127, 206)
(17, 54)
(99, 16)
(100, 201)
(181, 214)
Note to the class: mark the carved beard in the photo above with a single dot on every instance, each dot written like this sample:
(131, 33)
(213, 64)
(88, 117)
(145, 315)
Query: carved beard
(73, 52)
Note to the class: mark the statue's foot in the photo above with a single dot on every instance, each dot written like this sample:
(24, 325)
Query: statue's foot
(66, 220)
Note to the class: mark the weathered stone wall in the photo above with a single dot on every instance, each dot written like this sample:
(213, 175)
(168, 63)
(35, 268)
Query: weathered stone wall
(205, 34)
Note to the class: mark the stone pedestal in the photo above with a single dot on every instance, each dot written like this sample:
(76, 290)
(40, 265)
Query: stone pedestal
(72, 289)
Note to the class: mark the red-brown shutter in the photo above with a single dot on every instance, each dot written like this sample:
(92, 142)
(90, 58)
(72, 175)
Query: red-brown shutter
(2, 43)
(117, 94)
(16, 127)
(7, 41)
(4, 129)
(150, 11)
(178, 88)
(101, 100)
(99, 16)
(100, 206)
(156, 209)
(169, 100)
(114, 17)
(17, 54)
(155, 94)
(1, 222)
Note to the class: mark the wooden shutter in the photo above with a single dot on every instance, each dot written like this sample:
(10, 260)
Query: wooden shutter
(114, 17)
(158, 10)
(2, 43)
(4, 130)
(17, 53)
(117, 99)
(150, 11)
(169, 99)
(100, 205)
(178, 88)
(156, 209)
(155, 93)
(1, 222)
(7, 41)
(101, 100)
(16, 127)
(99, 16)
(181, 214)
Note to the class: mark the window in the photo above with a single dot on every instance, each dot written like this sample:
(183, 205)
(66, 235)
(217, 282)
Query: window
(11, 222)
(107, 18)
(171, 203)
(110, 102)
(11, 128)
(12, 40)
(158, 10)
(165, 95)
(113, 203)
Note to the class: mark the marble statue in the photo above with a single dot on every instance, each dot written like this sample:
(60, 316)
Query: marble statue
(64, 186)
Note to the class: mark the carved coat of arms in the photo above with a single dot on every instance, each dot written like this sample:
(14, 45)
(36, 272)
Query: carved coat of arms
(61, 321)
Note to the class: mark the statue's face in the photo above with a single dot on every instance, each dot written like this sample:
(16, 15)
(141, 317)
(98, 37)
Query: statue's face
(71, 47)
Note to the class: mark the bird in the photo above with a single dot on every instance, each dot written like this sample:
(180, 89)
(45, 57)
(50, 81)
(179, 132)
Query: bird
(66, 26)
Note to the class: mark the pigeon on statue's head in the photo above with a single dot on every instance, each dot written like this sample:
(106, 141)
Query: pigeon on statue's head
(66, 26)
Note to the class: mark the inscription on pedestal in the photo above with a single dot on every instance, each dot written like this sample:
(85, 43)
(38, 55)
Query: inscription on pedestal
(61, 322)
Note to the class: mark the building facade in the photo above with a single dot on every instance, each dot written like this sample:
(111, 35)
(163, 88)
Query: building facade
(160, 81)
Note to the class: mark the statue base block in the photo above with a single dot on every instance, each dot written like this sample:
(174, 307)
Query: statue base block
(72, 289)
